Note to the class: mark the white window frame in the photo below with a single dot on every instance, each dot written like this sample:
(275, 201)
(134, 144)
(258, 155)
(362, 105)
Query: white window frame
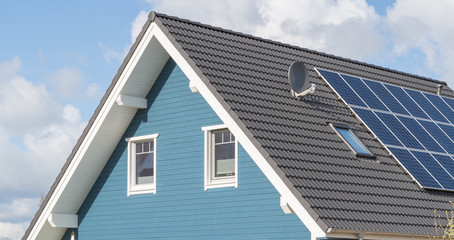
(140, 188)
(337, 126)
(209, 180)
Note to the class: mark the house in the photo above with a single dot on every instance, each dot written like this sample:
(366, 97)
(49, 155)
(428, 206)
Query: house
(199, 137)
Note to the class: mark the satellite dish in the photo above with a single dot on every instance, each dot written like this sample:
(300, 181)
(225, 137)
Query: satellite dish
(298, 76)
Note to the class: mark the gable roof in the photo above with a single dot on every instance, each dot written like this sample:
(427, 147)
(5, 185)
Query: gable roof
(244, 78)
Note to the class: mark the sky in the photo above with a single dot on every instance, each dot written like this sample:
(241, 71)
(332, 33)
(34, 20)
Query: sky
(57, 59)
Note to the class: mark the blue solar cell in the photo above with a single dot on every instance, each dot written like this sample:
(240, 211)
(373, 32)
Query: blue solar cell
(435, 169)
(374, 123)
(449, 101)
(426, 105)
(341, 88)
(395, 115)
(439, 135)
(448, 129)
(415, 168)
(446, 161)
(406, 101)
(427, 141)
(364, 92)
(399, 130)
(386, 97)
(441, 105)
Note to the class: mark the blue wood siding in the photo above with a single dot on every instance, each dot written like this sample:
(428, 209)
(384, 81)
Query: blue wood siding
(181, 208)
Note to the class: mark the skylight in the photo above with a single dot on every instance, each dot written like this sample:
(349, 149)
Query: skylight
(350, 138)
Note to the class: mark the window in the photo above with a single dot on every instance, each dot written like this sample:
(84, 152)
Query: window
(221, 158)
(142, 164)
(352, 140)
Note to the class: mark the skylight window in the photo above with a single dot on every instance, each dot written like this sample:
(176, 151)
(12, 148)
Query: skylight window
(352, 140)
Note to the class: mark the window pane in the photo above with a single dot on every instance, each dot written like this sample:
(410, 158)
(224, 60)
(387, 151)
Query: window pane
(218, 137)
(353, 141)
(232, 137)
(225, 167)
(138, 147)
(144, 168)
(146, 147)
(226, 137)
(224, 151)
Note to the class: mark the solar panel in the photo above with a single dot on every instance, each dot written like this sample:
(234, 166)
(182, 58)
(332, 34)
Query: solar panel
(416, 127)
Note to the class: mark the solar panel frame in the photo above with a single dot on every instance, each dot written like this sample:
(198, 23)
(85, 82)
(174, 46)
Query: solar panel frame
(381, 130)
(421, 134)
(350, 97)
(364, 92)
(442, 106)
(435, 169)
(402, 133)
(386, 97)
(406, 101)
(426, 105)
(412, 166)
(442, 138)
(422, 143)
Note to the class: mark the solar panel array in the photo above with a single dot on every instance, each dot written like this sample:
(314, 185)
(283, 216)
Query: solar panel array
(417, 127)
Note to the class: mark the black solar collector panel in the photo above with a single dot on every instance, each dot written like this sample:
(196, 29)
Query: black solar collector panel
(416, 127)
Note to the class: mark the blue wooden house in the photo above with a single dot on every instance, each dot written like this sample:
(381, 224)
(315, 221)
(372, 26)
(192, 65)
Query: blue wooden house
(199, 137)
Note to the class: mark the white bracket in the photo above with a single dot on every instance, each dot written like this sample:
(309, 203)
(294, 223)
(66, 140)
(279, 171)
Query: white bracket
(132, 102)
(284, 205)
(193, 87)
(361, 236)
(63, 220)
(311, 89)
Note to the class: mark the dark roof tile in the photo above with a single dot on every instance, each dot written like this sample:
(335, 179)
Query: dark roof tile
(249, 77)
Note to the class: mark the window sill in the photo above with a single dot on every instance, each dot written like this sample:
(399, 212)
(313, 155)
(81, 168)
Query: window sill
(141, 191)
(223, 184)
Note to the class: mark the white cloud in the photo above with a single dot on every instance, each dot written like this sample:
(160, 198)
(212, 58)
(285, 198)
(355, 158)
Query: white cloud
(346, 28)
(19, 209)
(424, 26)
(237, 15)
(67, 82)
(92, 90)
(49, 132)
(137, 24)
(343, 27)
(24, 105)
(12, 230)
(112, 56)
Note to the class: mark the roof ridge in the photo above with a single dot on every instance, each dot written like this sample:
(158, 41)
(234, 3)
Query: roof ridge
(154, 14)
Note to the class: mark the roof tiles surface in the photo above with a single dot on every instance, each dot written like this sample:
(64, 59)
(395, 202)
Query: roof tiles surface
(249, 75)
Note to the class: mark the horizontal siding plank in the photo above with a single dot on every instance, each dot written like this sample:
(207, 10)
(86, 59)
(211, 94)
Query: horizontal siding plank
(181, 208)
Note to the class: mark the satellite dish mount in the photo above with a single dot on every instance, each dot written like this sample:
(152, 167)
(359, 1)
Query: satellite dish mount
(298, 76)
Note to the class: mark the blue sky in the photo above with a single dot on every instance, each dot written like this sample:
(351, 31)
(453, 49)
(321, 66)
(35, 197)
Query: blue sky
(58, 57)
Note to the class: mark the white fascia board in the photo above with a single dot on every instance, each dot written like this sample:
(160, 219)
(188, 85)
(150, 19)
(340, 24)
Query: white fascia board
(376, 236)
(131, 102)
(86, 142)
(247, 144)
